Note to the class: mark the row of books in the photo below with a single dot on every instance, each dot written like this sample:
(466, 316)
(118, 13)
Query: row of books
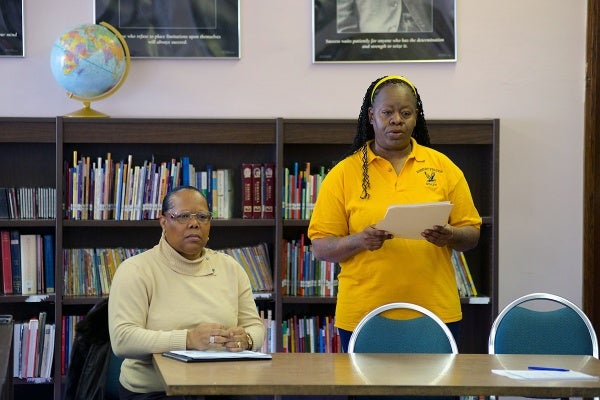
(300, 189)
(270, 343)
(33, 348)
(255, 260)
(464, 280)
(89, 272)
(106, 189)
(27, 263)
(258, 190)
(27, 203)
(303, 275)
(316, 334)
(67, 339)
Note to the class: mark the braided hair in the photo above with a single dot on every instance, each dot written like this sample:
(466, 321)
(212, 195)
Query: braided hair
(365, 132)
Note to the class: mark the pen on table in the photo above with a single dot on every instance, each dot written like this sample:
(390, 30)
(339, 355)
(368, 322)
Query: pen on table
(537, 368)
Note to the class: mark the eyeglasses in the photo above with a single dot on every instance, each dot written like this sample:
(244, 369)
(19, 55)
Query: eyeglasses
(185, 217)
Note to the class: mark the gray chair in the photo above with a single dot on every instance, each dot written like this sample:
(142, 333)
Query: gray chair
(422, 332)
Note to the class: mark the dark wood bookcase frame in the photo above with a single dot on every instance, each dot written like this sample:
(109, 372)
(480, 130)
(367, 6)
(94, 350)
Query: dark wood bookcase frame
(33, 152)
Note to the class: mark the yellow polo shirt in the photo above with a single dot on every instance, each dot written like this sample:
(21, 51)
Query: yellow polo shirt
(403, 270)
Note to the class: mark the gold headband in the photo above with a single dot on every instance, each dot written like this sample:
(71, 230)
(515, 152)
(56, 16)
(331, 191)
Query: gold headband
(387, 78)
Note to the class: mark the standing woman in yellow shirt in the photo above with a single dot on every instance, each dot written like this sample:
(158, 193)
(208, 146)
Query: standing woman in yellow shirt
(390, 162)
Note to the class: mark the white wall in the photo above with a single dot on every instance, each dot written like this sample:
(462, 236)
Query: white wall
(520, 61)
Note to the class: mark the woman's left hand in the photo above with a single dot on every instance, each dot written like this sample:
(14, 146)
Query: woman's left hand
(439, 235)
(237, 340)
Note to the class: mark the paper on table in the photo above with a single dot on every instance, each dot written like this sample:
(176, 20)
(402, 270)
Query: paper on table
(198, 355)
(409, 220)
(544, 375)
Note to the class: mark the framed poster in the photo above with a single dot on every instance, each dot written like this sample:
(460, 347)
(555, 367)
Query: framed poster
(384, 31)
(11, 28)
(175, 28)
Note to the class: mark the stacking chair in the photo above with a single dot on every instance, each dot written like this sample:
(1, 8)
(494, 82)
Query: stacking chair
(542, 323)
(423, 332)
(426, 333)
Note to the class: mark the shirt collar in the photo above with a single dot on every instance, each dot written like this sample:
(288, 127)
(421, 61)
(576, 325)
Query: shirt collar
(416, 152)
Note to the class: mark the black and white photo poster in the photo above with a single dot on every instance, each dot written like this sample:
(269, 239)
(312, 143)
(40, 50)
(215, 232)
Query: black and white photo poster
(384, 31)
(11, 28)
(175, 28)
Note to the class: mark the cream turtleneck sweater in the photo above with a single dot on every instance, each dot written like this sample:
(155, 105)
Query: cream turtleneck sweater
(157, 295)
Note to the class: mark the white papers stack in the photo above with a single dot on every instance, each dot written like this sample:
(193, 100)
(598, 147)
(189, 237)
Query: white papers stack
(544, 375)
(409, 220)
(198, 355)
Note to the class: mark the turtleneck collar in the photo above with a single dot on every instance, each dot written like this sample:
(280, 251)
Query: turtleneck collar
(201, 266)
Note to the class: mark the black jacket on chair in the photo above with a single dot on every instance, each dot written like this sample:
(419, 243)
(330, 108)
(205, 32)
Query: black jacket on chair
(90, 356)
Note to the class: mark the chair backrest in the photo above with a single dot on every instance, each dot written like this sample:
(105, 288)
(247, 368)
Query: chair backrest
(526, 326)
(426, 333)
(111, 387)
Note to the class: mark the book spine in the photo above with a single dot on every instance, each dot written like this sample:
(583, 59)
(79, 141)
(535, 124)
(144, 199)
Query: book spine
(31, 348)
(464, 264)
(229, 193)
(7, 276)
(41, 335)
(247, 195)
(269, 191)
(39, 264)
(256, 191)
(15, 257)
(221, 193)
(4, 208)
(17, 338)
(209, 187)
(185, 171)
(24, 350)
(28, 264)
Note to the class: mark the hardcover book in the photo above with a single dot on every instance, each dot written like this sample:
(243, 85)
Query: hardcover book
(256, 191)
(7, 279)
(15, 257)
(29, 264)
(247, 195)
(269, 191)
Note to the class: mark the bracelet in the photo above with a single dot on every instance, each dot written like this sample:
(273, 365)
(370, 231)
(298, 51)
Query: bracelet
(250, 341)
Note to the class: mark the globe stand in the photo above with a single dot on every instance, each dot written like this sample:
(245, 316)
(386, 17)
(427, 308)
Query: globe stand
(87, 112)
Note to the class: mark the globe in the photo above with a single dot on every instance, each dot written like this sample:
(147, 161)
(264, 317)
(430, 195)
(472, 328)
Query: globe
(90, 62)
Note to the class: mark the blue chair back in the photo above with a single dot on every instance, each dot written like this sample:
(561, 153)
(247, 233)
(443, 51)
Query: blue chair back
(111, 388)
(425, 333)
(519, 329)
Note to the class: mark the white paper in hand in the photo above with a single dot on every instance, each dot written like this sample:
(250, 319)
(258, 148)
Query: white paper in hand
(407, 221)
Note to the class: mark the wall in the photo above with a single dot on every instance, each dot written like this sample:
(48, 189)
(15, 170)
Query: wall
(520, 61)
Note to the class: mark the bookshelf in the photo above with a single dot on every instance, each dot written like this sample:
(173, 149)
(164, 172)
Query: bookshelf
(27, 159)
(226, 143)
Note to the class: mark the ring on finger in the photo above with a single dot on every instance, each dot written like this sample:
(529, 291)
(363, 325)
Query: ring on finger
(211, 340)
(239, 344)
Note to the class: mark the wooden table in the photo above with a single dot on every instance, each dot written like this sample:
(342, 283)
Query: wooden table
(375, 374)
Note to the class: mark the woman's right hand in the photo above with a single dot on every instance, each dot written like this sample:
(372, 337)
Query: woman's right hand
(374, 238)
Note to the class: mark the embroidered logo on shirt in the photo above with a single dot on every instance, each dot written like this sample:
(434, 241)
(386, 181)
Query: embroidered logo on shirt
(430, 176)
